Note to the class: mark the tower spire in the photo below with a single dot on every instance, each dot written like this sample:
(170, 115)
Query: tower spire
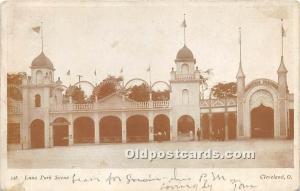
(240, 70)
(282, 68)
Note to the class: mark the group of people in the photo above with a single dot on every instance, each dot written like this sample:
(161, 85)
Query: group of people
(216, 135)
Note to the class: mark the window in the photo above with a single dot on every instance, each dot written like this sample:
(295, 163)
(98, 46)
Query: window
(185, 69)
(39, 77)
(13, 133)
(50, 75)
(37, 101)
(185, 96)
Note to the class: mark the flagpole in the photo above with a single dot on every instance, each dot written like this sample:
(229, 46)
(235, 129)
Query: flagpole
(240, 42)
(95, 78)
(184, 29)
(150, 76)
(70, 79)
(150, 94)
(42, 38)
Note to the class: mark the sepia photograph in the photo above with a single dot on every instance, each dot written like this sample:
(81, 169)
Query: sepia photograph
(151, 84)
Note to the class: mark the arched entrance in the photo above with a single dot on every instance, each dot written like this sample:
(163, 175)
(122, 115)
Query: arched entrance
(110, 130)
(37, 134)
(60, 132)
(231, 126)
(161, 128)
(137, 129)
(186, 128)
(218, 126)
(84, 130)
(262, 122)
(205, 126)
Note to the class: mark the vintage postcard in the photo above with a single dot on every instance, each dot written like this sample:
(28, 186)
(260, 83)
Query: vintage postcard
(187, 95)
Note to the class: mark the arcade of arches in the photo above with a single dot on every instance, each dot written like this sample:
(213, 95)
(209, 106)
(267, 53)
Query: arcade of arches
(213, 127)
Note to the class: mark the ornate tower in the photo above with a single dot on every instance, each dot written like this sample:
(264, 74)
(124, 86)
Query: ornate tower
(282, 91)
(36, 100)
(185, 83)
(283, 98)
(185, 80)
(240, 79)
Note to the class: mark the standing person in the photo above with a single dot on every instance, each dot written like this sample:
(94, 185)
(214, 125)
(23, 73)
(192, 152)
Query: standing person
(198, 134)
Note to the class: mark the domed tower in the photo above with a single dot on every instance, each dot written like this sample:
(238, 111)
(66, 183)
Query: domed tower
(185, 96)
(185, 79)
(36, 102)
(42, 70)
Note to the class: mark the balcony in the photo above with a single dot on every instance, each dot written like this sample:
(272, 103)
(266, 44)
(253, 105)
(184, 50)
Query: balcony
(15, 108)
(213, 103)
(104, 107)
(185, 77)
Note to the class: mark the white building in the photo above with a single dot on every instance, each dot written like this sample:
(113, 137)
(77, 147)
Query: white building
(263, 109)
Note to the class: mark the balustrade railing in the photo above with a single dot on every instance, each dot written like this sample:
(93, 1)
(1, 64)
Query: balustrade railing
(218, 102)
(99, 106)
(161, 104)
(184, 76)
(14, 108)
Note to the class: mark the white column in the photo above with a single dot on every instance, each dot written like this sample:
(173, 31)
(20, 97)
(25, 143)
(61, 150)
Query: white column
(201, 128)
(96, 126)
(45, 106)
(226, 125)
(123, 119)
(151, 129)
(174, 128)
(71, 138)
(25, 124)
(51, 135)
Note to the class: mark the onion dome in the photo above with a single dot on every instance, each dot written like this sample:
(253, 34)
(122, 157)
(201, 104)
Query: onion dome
(185, 54)
(42, 61)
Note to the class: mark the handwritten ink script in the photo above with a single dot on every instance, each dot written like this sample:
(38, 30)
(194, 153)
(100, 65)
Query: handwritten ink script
(208, 181)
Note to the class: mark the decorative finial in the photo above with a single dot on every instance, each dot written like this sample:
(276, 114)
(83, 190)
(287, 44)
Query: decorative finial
(240, 73)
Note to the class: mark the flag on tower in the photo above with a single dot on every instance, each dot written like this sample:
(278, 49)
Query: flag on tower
(121, 71)
(69, 72)
(36, 29)
(282, 29)
(183, 23)
(283, 33)
(149, 69)
(95, 73)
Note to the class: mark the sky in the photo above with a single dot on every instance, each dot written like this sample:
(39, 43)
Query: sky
(109, 36)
